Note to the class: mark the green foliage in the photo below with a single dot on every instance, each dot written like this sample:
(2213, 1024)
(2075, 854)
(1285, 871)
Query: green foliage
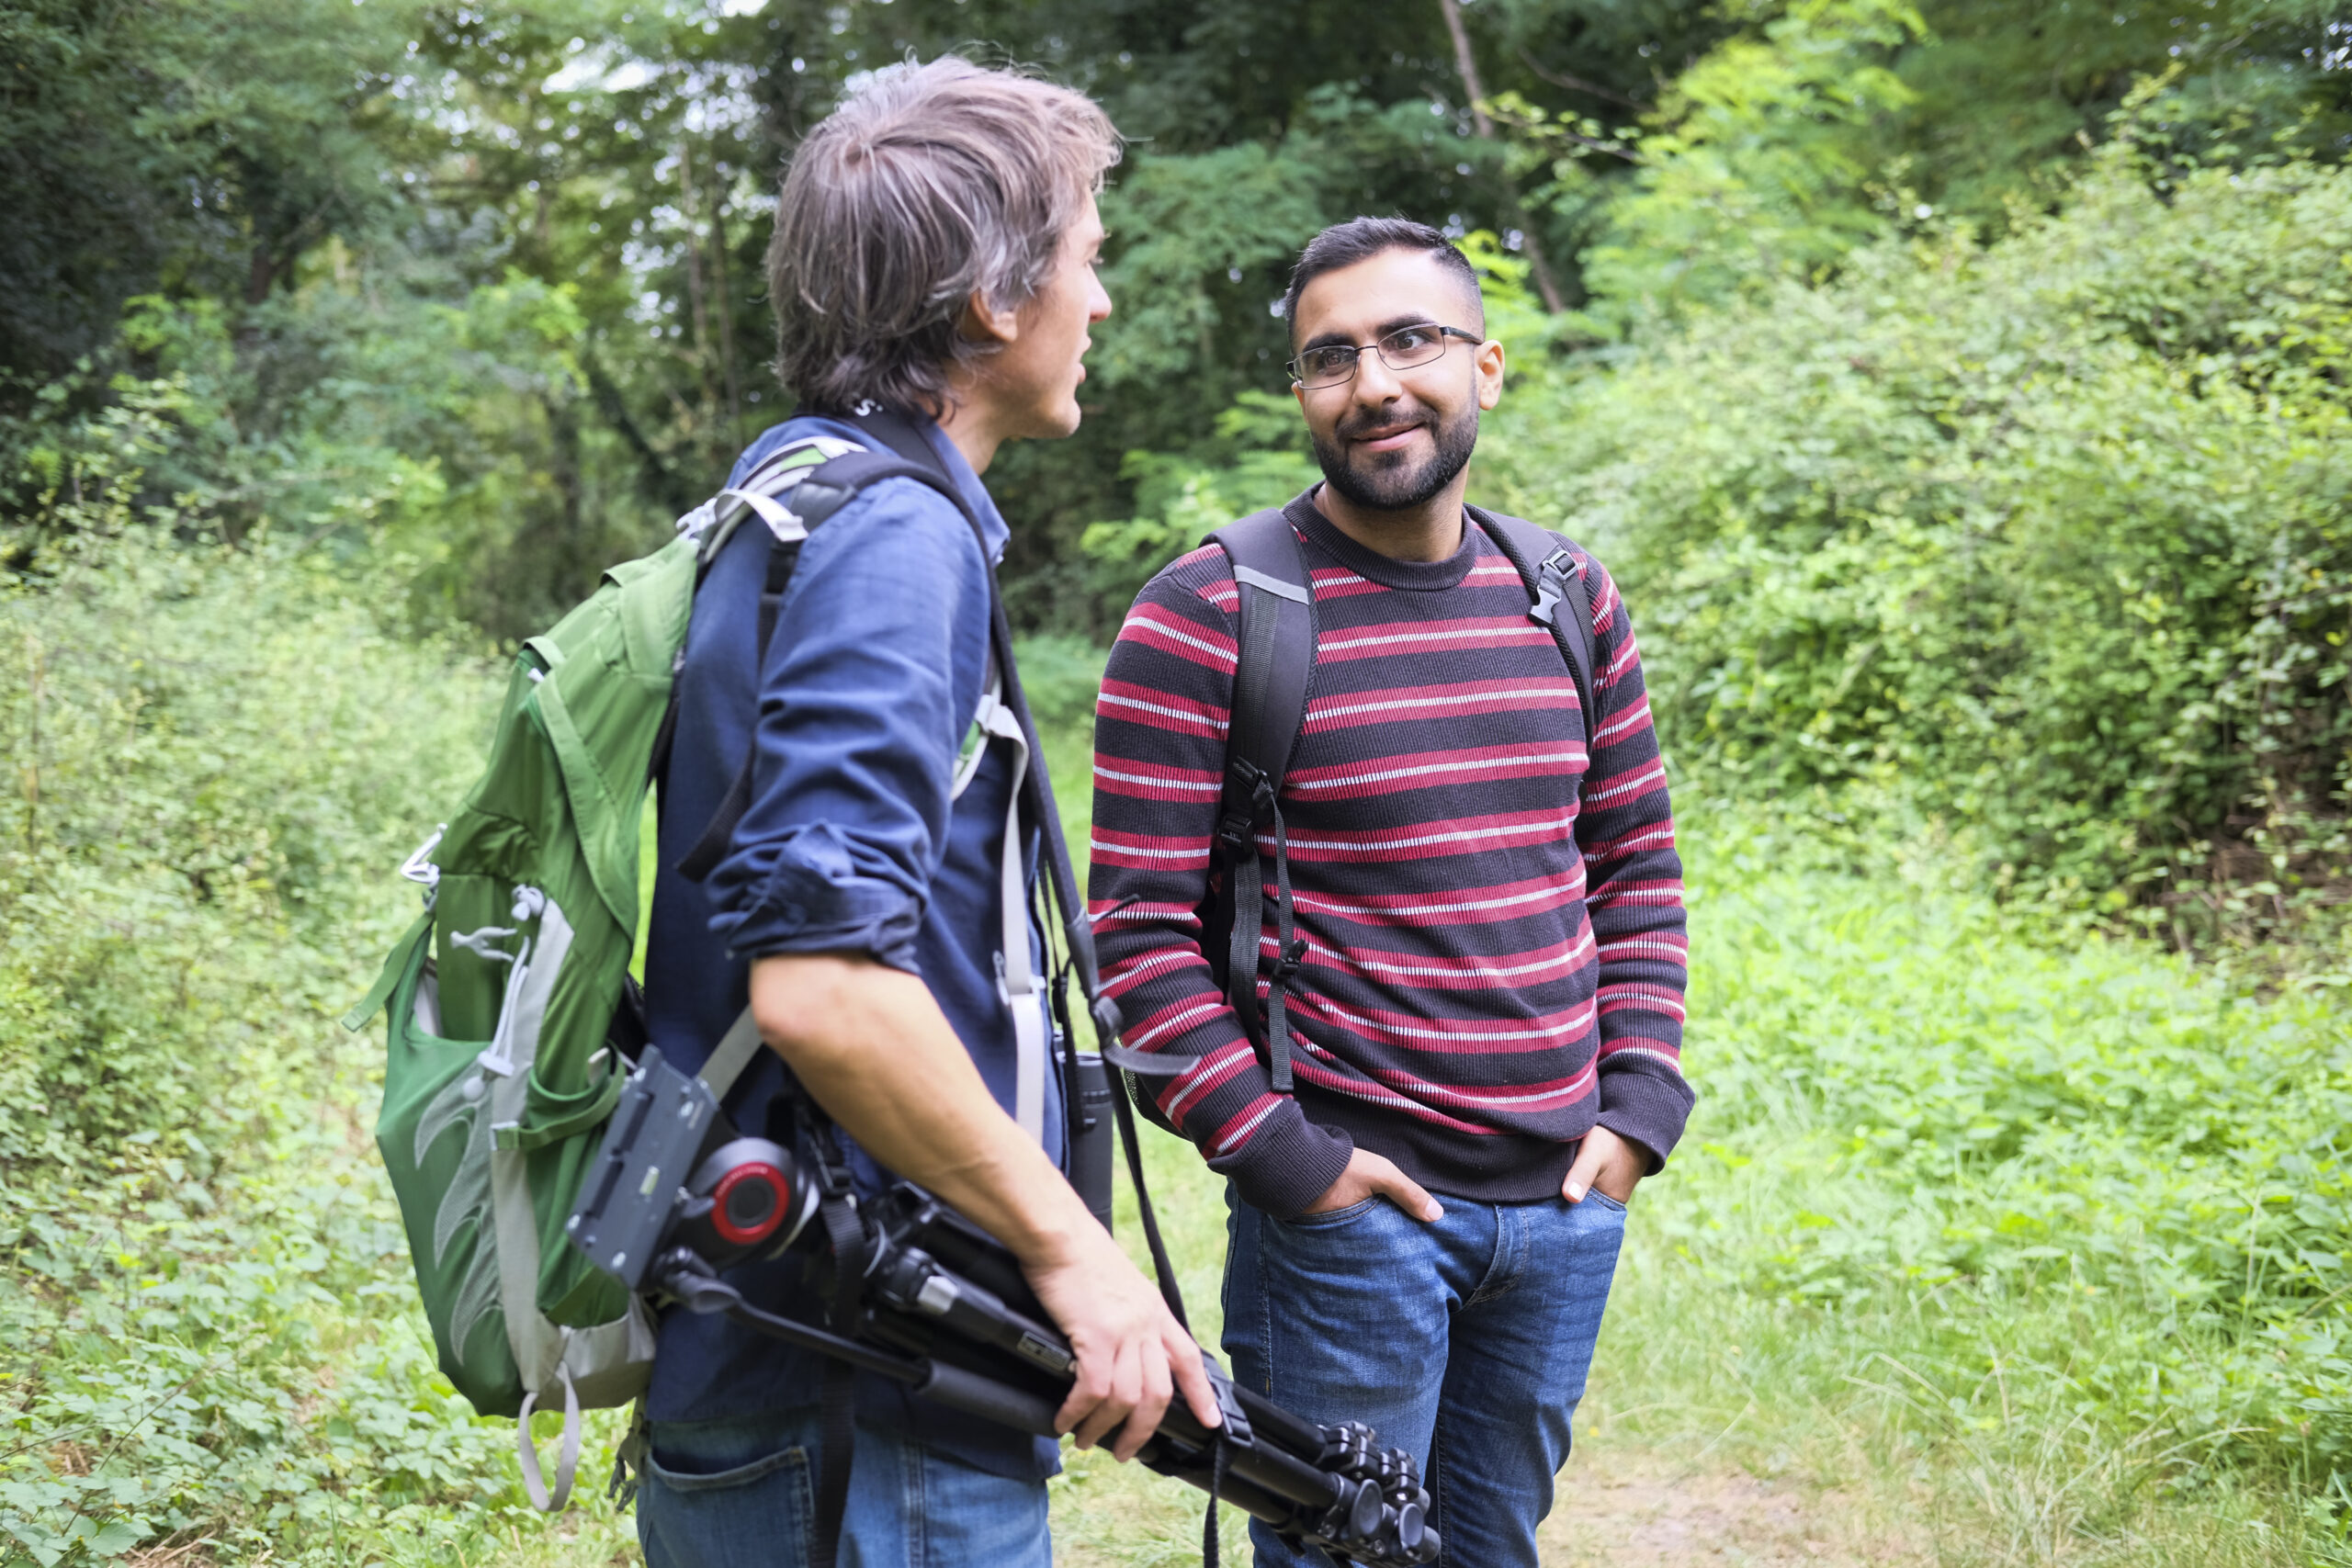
(2071, 1162)
(2046, 534)
(195, 1349)
(218, 757)
(1760, 166)
(1261, 459)
(2005, 92)
(195, 149)
(329, 193)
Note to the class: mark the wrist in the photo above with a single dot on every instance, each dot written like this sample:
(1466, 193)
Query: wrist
(1055, 1232)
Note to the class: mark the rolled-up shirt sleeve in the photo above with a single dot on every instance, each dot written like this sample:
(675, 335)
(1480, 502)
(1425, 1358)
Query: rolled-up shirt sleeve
(869, 684)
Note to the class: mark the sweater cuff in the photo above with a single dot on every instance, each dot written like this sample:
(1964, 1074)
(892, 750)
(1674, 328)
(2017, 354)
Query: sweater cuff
(1645, 1108)
(1287, 1163)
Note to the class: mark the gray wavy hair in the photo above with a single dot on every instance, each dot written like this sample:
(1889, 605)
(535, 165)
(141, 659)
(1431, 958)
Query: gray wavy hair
(931, 183)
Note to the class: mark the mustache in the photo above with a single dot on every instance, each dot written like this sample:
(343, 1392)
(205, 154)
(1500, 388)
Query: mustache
(1388, 421)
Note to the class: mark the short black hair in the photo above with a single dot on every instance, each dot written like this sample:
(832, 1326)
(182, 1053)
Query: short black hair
(1361, 239)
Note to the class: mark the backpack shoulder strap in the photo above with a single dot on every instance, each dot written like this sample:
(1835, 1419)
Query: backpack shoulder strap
(1549, 570)
(1277, 652)
(1274, 667)
(826, 488)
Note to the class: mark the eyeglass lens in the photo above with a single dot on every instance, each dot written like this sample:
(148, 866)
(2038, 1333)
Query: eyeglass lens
(1400, 350)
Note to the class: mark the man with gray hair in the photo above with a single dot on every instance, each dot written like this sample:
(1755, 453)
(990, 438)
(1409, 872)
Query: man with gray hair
(934, 266)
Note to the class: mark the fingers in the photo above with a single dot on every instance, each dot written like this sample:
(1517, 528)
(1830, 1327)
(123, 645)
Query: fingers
(1340, 1193)
(1124, 1393)
(1087, 1391)
(1145, 1419)
(1407, 1194)
(1582, 1170)
(1192, 1377)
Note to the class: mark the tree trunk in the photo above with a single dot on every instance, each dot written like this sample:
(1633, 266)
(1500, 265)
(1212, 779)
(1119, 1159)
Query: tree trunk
(721, 263)
(260, 275)
(1466, 63)
(691, 210)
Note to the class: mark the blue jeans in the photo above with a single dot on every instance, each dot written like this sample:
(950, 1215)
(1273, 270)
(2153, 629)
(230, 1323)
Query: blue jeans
(742, 1492)
(1466, 1341)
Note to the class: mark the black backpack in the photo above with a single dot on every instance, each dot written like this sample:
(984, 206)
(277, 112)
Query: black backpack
(1272, 679)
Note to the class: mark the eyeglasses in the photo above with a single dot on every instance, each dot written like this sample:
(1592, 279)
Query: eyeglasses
(1403, 349)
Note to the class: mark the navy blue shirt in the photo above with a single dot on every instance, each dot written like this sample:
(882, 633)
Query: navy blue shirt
(853, 844)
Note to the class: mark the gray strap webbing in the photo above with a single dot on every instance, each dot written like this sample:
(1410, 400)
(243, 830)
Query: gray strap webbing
(731, 1054)
(537, 1345)
(567, 1463)
(1019, 984)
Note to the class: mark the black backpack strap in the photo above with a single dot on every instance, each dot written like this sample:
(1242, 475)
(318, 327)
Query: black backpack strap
(1549, 572)
(1274, 666)
(828, 488)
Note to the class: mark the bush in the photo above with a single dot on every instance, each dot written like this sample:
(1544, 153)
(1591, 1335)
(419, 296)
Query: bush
(2077, 1170)
(2052, 533)
(221, 759)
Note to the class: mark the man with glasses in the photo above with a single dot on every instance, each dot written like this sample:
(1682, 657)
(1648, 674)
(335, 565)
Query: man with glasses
(1484, 973)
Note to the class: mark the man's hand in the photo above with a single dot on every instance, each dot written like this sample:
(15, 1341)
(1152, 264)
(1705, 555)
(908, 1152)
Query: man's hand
(1131, 1352)
(1370, 1175)
(1607, 1162)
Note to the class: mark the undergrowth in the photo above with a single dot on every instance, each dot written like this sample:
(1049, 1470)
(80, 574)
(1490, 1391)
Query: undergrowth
(208, 1339)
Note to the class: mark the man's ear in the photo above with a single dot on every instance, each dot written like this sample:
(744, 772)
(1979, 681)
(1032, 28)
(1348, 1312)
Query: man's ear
(1488, 358)
(983, 321)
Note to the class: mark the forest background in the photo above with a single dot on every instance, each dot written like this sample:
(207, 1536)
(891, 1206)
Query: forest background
(1959, 390)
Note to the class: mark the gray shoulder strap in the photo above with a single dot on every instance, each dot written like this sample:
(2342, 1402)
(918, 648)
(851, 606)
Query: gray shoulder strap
(1276, 662)
(732, 1055)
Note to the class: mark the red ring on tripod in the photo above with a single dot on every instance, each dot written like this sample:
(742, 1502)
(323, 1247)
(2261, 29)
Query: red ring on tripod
(779, 1189)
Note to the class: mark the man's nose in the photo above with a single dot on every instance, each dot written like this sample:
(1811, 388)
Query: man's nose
(1375, 384)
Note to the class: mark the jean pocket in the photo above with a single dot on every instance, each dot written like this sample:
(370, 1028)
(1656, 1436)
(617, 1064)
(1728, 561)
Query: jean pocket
(760, 1511)
(787, 1470)
(1333, 1218)
(1606, 1202)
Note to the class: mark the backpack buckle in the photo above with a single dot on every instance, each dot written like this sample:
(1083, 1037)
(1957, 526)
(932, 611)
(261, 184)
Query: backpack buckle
(1236, 827)
(1551, 587)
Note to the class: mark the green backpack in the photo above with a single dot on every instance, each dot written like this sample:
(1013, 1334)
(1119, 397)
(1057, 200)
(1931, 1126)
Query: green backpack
(511, 1009)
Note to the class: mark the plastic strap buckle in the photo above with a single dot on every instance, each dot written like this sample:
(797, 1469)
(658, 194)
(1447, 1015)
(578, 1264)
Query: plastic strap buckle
(1551, 587)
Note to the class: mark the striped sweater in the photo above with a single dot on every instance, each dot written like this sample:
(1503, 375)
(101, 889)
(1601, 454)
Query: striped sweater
(1494, 957)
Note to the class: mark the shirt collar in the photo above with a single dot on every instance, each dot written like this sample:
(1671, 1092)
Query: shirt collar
(994, 533)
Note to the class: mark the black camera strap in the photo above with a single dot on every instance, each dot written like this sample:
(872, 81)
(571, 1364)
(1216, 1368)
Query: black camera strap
(1060, 879)
(837, 1211)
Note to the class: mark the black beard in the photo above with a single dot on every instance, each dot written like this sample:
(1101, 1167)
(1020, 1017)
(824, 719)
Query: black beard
(1384, 483)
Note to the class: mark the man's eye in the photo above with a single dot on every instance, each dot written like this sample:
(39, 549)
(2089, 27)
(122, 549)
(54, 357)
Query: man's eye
(1324, 361)
(1411, 339)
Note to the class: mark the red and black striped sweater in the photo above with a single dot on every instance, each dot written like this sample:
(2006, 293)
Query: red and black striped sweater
(1494, 958)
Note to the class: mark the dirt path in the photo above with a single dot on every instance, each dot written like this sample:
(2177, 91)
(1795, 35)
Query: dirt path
(1639, 1509)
